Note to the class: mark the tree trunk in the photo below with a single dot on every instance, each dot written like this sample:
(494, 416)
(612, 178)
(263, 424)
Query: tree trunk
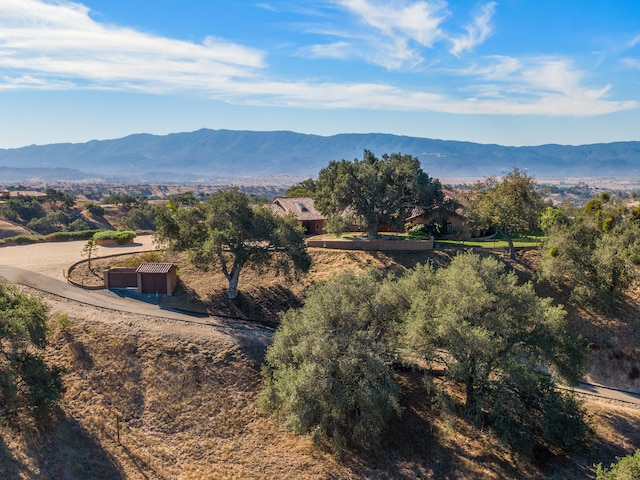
(372, 234)
(507, 237)
(233, 278)
(469, 404)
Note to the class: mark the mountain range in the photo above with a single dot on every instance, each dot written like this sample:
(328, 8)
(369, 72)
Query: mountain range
(206, 155)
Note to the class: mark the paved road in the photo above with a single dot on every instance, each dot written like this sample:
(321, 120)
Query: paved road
(607, 392)
(41, 266)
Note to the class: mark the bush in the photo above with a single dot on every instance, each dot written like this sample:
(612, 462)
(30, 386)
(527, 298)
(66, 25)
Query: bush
(70, 236)
(27, 383)
(79, 225)
(94, 209)
(121, 236)
(625, 468)
(418, 230)
(327, 373)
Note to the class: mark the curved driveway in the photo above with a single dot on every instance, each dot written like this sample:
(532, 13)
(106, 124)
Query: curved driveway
(42, 266)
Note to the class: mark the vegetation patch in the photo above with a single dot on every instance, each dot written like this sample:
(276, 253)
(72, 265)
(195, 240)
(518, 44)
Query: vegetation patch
(122, 237)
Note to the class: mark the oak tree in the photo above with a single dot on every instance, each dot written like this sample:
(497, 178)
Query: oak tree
(327, 372)
(377, 190)
(227, 231)
(512, 205)
(497, 338)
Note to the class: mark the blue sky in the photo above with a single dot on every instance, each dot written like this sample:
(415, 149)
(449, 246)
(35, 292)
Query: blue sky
(511, 72)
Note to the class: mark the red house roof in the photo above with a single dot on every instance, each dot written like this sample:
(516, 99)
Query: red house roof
(302, 207)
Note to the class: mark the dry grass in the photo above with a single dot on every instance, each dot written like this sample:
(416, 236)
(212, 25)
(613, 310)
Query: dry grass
(183, 398)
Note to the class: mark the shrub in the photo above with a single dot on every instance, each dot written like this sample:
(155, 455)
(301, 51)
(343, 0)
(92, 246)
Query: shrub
(326, 373)
(94, 209)
(418, 230)
(624, 468)
(121, 236)
(79, 225)
(69, 236)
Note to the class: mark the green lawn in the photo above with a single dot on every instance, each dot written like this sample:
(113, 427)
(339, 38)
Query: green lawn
(497, 243)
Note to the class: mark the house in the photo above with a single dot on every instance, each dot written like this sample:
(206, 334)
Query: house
(448, 219)
(441, 221)
(304, 210)
(21, 193)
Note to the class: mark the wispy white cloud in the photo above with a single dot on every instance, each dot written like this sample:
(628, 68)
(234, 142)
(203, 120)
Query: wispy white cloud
(61, 41)
(631, 62)
(388, 34)
(477, 32)
(60, 46)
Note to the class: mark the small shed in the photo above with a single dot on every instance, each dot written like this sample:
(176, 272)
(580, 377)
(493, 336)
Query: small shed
(157, 278)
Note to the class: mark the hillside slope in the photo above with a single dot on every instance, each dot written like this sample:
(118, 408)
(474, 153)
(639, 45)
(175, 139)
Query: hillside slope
(182, 397)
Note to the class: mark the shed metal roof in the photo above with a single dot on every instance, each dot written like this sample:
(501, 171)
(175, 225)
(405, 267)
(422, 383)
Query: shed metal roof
(154, 268)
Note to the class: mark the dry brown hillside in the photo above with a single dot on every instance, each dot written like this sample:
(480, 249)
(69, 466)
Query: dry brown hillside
(154, 399)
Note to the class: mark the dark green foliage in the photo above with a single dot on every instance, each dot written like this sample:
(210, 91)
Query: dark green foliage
(21, 209)
(94, 209)
(59, 199)
(228, 231)
(187, 199)
(327, 372)
(305, 188)
(42, 225)
(27, 383)
(493, 335)
(139, 218)
(513, 206)
(126, 200)
(625, 468)
(594, 250)
(377, 190)
(78, 225)
(121, 236)
(52, 222)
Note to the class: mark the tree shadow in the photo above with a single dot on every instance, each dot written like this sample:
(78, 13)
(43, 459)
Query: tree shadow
(10, 466)
(66, 450)
(260, 304)
(185, 299)
(79, 352)
(416, 445)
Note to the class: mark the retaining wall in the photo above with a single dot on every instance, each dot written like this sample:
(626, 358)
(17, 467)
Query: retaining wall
(366, 244)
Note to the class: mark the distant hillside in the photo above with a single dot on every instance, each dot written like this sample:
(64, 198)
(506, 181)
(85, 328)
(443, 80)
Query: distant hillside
(210, 154)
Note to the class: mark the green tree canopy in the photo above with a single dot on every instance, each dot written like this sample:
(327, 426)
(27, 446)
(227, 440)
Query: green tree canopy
(59, 199)
(495, 337)
(378, 190)
(226, 230)
(327, 371)
(27, 383)
(512, 205)
(305, 188)
(594, 250)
